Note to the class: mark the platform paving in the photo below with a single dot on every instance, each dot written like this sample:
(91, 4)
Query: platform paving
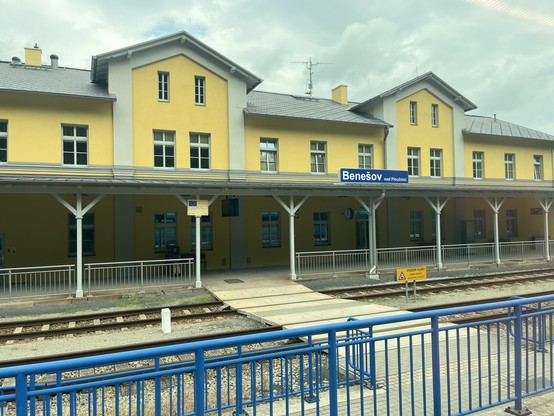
(281, 301)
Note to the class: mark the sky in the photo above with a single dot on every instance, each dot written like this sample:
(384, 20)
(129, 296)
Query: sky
(499, 54)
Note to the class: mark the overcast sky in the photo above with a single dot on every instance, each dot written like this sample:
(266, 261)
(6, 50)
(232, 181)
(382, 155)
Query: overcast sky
(499, 54)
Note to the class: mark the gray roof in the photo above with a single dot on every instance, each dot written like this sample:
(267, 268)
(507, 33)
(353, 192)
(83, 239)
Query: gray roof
(292, 106)
(45, 80)
(99, 64)
(495, 127)
(429, 77)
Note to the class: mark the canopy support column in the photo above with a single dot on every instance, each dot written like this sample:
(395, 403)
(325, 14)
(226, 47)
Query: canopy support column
(437, 207)
(546, 205)
(291, 209)
(371, 207)
(79, 212)
(198, 246)
(495, 206)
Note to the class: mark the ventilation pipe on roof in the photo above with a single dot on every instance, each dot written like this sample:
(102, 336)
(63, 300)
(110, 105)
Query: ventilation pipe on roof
(494, 117)
(16, 60)
(54, 61)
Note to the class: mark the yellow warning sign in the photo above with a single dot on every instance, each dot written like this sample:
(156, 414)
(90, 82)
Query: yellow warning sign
(411, 273)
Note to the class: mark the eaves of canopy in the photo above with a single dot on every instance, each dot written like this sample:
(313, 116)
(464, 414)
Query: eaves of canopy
(42, 184)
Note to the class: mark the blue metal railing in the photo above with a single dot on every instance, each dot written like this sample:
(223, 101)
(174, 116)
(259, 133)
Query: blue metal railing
(413, 363)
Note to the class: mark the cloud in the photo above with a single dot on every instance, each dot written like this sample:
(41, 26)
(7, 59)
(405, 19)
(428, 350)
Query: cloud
(496, 53)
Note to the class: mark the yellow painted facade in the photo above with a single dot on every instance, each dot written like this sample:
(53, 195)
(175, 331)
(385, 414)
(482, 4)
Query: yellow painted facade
(122, 109)
(423, 134)
(179, 114)
(39, 119)
(294, 138)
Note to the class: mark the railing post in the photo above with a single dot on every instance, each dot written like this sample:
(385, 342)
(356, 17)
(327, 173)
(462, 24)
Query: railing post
(21, 395)
(10, 284)
(435, 362)
(518, 360)
(141, 275)
(334, 264)
(198, 382)
(333, 371)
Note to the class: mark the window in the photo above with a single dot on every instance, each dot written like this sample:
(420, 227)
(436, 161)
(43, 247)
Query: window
(206, 234)
(199, 151)
(165, 231)
(268, 155)
(509, 165)
(537, 167)
(163, 86)
(511, 223)
(434, 115)
(413, 161)
(199, 90)
(164, 149)
(478, 158)
(3, 141)
(317, 156)
(435, 159)
(87, 227)
(75, 145)
(416, 225)
(321, 228)
(365, 156)
(413, 112)
(479, 221)
(270, 229)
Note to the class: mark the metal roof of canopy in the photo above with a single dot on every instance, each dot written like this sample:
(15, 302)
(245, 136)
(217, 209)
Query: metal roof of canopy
(99, 185)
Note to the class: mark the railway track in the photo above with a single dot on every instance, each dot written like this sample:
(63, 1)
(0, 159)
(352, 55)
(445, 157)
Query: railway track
(106, 321)
(442, 285)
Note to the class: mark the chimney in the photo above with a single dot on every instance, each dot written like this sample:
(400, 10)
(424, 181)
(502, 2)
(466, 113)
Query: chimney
(340, 94)
(33, 56)
(54, 61)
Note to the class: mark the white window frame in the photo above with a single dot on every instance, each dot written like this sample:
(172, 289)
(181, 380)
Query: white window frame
(509, 166)
(78, 144)
(165, 225)
(365, 156)
(318, 157)
(164, 140)
(206, 232)
(163, 86)
(537, 167)
(88, 235)
(480, 228)
(413, 161)
(321, 233)
(435, 159)
(271, 229)
(199, 90)
(511, 223)
(268, 154)
(434, 115)
(413, 113)
(478, 165)
(416, 225)
(3, 142)
(200, 151)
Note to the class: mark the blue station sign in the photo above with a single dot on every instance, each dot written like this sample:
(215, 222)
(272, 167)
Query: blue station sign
(372, 176)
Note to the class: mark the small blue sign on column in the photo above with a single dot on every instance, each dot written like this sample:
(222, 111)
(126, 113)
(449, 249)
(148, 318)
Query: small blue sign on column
(372, 176)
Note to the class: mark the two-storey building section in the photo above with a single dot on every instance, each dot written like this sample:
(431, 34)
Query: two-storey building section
(99, 165)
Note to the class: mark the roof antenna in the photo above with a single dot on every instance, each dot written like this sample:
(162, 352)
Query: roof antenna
(310, 66)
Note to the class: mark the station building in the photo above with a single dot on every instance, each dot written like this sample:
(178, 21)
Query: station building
(101, 165)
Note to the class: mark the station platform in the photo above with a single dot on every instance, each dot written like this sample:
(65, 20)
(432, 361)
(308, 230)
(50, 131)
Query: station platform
(283, 302)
